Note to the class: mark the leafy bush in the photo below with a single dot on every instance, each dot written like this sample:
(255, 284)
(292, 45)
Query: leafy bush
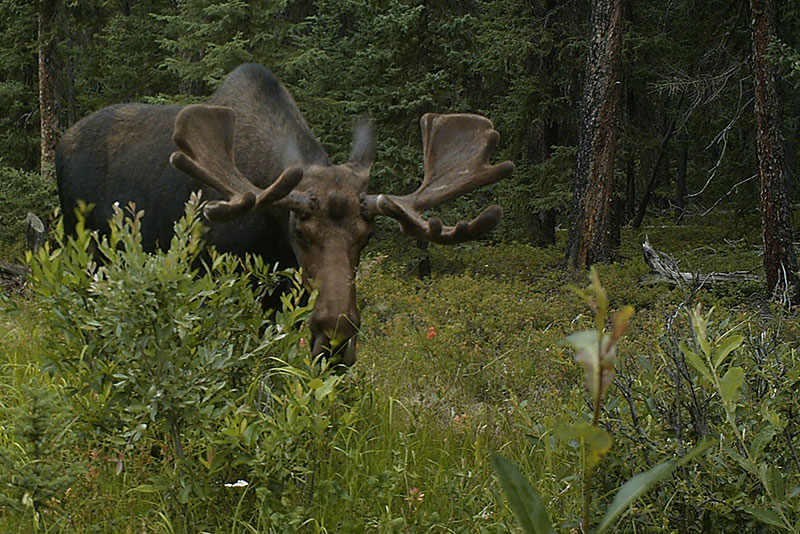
(734, 384)
(168, 356)
(152, 344)
(595, 349)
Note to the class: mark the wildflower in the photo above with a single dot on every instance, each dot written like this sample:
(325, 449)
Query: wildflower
(431, 333)
(460, 422)
(415, 495)
(302, 342)
(238, 484)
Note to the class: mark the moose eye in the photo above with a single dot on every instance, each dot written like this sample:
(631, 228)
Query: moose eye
(300, 236)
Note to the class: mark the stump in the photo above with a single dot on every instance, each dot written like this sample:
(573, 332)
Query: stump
(35, 232)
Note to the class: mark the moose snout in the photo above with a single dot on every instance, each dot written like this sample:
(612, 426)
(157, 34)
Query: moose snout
(334, 334)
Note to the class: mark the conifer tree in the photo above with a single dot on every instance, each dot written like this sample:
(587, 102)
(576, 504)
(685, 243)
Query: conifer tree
(780, 262)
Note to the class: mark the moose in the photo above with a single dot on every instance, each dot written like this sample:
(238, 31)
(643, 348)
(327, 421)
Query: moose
(271, 188)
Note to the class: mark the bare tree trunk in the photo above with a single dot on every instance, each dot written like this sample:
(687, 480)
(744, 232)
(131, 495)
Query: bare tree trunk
(591, 235)
(542, 224)
(680, 179)
(648, 190)
(780, 262)
(630, 188)
(47, 87)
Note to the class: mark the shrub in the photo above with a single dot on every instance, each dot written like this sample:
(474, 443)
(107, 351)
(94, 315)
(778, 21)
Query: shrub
(170, 363)
(153, 342)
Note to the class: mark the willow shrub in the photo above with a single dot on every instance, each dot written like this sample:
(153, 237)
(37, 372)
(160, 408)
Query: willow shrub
(172, 366)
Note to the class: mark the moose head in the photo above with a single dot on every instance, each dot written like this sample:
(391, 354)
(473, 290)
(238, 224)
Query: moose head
(330, 212)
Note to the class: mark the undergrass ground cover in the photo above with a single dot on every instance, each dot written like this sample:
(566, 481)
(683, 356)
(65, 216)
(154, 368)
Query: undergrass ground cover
(450, 370)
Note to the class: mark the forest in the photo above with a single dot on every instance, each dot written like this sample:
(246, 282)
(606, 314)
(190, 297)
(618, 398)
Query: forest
(619, 354)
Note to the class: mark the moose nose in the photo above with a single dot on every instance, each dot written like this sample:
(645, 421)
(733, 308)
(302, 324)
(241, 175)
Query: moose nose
(335, 335)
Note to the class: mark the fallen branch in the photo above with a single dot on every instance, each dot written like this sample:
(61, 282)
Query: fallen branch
(13, 278)
(665, 269)
(12, 269)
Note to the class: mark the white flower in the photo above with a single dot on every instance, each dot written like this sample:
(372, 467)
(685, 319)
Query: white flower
(238, 484)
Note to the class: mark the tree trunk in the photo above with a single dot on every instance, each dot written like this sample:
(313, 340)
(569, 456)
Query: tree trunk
(630, 187)
(542, 224)
(780, 262)
(48, 119)
(680, 179)
(648, 190)
(591, 235)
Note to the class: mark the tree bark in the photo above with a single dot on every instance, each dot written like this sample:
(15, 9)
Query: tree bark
(591, 235)
(48, 119)
(780, 262)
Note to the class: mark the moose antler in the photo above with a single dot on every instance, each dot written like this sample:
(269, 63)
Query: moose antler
(204, 137)
(456, 150)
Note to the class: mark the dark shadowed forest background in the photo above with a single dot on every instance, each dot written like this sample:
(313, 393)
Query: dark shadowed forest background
(685, 114)
(676, 121)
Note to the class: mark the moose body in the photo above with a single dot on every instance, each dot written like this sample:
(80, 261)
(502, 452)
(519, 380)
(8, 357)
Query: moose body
(269, 186)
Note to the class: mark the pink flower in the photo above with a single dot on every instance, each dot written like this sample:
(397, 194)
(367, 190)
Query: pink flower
(302, 342)
(431, 333)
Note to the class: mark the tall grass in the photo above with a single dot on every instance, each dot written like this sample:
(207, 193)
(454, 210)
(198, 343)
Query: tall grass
(449, 370)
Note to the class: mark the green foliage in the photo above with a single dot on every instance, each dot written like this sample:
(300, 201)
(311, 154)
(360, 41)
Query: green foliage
(449, 370)
(204, 41)
(205, 326)
(37, 456)
(22, 192)
(595, 350)
(19, 123)
(728, 385)
(169, 354)
(772, 508)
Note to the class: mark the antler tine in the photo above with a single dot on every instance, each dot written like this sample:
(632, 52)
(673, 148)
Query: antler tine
(204, 137)
(457, 150)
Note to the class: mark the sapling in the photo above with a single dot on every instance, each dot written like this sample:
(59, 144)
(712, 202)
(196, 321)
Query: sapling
(595, 350)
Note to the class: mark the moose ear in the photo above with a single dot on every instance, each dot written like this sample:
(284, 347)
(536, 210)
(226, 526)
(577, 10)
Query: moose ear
(363, 151)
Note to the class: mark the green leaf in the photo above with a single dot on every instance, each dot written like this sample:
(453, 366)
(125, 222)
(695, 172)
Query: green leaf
(765, 515)
(729, 386)
(725, 347)
(523, 498)
(325, 389)
(639, 484)
(598, 368)
(772, 479)
(632, 490)
(148, 488)
(700, 323)
(315, 383)
(761, 440)
(694, 360)
(597, 439)
(743, 462)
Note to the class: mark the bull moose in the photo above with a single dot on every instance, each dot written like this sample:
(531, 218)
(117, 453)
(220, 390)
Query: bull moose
(273, 190)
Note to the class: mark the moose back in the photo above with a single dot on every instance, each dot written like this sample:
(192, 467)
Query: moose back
(273, 190)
